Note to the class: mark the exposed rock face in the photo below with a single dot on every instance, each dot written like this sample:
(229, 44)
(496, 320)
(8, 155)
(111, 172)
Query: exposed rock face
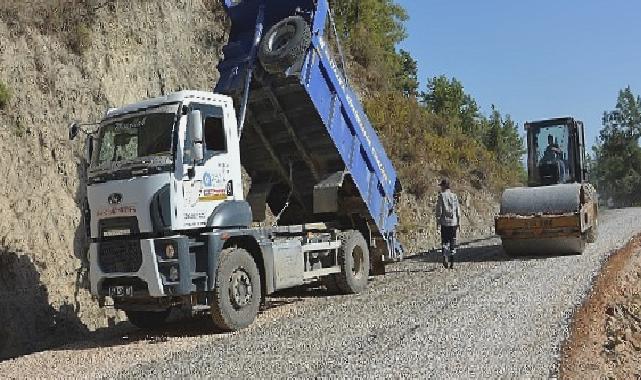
(134, 50)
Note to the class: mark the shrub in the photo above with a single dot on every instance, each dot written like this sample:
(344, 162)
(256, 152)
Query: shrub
(80, 39)
(5, 95)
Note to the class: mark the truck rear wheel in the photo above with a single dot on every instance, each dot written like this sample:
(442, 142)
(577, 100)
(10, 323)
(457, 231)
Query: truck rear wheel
(147, 320)
(237, 293)
(353, 258)
(284, 44)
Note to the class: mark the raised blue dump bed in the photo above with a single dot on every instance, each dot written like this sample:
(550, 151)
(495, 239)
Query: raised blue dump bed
(306, 125)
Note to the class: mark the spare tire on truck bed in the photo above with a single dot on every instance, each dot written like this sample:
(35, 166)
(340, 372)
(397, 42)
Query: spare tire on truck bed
(284, 44)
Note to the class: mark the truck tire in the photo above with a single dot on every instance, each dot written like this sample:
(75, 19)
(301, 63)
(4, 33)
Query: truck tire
(147, 320)
(353, 258)
(284, 44)
(237, 293)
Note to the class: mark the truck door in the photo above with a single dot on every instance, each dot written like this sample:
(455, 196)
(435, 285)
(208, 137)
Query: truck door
(208, 183)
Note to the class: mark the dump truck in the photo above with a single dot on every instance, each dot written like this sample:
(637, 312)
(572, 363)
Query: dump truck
(170, 220)
(557, 213)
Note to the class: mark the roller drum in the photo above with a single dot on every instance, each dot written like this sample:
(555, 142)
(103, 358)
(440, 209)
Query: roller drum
(557, 199)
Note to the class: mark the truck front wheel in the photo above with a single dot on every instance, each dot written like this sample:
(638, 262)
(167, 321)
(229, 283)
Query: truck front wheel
(237, 293)
(353, 258)
(147, 320)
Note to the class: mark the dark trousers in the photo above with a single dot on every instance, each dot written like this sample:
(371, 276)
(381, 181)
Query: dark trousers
(448, 239)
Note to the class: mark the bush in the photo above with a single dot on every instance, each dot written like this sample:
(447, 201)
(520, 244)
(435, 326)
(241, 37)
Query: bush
(5, 95)
(80, 39)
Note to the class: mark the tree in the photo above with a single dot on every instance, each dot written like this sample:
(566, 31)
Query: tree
(447, 98)
(407, 77)
(617, 153)
(502, 137)
(371, 31)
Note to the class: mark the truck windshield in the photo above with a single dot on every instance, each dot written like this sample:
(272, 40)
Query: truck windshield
(144, 135)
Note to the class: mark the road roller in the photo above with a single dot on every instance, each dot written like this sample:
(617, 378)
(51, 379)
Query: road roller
(557, 212)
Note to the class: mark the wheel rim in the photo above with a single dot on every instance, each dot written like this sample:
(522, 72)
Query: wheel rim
(240, 289)
(280, 39)
(357, 259)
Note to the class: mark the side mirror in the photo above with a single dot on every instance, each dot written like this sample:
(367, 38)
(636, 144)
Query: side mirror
(73, 131)
(195, 127)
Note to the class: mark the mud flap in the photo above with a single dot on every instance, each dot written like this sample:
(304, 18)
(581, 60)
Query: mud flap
(377, 260)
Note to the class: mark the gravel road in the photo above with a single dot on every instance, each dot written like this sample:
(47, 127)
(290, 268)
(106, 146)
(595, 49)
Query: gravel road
(491, 316)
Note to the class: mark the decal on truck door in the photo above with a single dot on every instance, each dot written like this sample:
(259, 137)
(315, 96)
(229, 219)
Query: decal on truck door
(215, 188)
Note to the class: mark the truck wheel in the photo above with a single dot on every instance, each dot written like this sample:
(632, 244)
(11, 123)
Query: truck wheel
(147, 320)
(237, 293)
(284, 44)
(353, 258)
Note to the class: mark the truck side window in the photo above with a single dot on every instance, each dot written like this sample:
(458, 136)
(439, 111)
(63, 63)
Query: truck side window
(213, 132)
(215, 141)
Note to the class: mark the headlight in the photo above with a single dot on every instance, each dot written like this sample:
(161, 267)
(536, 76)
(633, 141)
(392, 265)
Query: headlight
(170, 251)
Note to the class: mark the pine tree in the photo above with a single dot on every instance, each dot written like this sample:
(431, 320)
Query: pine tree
(618, 155)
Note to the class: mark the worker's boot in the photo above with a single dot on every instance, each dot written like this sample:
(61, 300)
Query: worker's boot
(446, 252)
(451, 261)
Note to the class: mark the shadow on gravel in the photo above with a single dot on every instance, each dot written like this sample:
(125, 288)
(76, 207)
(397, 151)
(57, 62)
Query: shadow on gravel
(478, 254)
(124, 334)
(181, 326)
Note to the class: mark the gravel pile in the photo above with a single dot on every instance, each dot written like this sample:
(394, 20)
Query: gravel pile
(491, 316)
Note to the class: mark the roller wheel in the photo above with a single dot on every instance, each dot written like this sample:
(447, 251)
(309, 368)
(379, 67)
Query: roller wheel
(147, 320)
(237, 292)
(353, 258)
(284, 44)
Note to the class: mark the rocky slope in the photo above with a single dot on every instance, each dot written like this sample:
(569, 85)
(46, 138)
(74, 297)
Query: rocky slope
(133, 50)
(60, 68)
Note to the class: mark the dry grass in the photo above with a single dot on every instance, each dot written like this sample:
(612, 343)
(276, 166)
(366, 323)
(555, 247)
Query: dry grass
(69, 20)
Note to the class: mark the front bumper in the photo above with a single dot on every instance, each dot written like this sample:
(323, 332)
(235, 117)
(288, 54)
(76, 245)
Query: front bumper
(150, 279)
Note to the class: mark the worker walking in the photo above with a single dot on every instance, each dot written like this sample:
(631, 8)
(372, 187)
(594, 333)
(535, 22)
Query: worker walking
(448, 215)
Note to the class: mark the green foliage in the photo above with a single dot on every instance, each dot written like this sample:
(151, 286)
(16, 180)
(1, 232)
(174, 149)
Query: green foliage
(5, 95)
(407, 76)
(371, 29)
(617, 166)
(448, 99)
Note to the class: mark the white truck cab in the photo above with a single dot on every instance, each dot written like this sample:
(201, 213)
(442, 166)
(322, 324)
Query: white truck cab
(145, 155)
(170, 228)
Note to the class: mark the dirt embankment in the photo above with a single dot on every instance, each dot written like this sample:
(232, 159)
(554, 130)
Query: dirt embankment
(605, 339)
(125, 51)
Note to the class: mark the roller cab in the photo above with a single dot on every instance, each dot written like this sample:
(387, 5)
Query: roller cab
(557, 213)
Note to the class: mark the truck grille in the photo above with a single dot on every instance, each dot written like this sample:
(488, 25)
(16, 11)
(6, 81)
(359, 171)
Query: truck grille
(122, 256)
